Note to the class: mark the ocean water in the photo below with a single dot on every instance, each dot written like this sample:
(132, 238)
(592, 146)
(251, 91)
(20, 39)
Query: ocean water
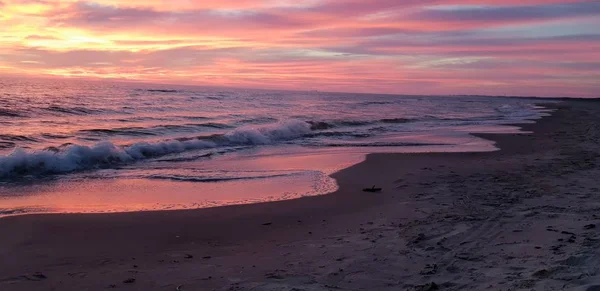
(92, 146)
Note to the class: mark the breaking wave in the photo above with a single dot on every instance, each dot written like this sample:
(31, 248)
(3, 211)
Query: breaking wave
(105, 154)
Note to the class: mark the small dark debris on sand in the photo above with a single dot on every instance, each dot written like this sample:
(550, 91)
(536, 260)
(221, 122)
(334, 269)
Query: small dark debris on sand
(267, 223)
(420, 237)
(543, 273)
(372, 189)
(429, 270)
(188, 256)
(39, 275)
(129, 281)
(590, 226)
(278, 275)
(428, 287)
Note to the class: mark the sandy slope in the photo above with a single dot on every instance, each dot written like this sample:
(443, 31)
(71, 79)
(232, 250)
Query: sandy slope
(526, 217)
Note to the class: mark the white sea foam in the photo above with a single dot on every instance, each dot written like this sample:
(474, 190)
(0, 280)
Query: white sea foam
(289, 129)
(74, 157)
(106, 154)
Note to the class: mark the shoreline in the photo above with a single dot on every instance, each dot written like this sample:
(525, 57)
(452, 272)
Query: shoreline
(428, 225)
(99, 191)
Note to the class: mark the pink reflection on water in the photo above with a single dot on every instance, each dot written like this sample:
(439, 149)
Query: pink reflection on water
(306, 173)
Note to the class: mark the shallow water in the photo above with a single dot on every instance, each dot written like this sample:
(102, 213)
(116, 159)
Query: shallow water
(83, 146)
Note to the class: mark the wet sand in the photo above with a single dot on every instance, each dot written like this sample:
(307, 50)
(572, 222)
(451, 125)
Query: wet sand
(525, 217)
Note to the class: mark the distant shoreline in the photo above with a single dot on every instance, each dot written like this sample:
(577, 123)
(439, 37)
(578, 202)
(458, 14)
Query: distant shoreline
(149, 83)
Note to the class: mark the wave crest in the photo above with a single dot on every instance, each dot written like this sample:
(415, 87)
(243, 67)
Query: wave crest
(72, 110)
(10, 113)
(105, 154)
(268, 134)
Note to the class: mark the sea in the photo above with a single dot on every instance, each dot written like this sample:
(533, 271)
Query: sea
(69, 145)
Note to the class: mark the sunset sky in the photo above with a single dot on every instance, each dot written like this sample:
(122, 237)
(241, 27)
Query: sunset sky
(492, 47)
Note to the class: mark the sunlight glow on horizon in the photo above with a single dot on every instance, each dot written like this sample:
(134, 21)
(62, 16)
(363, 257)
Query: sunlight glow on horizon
(490, 47)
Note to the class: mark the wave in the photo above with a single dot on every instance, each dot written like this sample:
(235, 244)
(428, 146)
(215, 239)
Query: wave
(79, 157)
(141, 119)
(438, 118)
(187, 126)
(105, 154)
(10, 113)
(258, 120)
(396, 120)
(208, 124)
(7, 145)
(376, 102)
(72, 110)
(269, 133)
(162, 90)
(12, 137)
(193, 117)
(321, 125)
(54, 136)
(150, 131)
(337, 134)
(353, 122)
(132, 131)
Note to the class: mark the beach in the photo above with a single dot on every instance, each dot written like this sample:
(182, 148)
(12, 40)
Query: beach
(524, 217)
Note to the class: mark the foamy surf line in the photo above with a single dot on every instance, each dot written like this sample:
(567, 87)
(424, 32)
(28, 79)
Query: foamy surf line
(74, 157)
(105, 154)
(267, 135)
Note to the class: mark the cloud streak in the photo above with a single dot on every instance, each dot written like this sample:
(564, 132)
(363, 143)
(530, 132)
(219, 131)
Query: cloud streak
(487, 14)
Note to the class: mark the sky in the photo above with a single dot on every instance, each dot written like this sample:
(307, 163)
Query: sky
(486, 47)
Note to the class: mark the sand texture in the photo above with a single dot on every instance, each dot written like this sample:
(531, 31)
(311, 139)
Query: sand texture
(523, 218)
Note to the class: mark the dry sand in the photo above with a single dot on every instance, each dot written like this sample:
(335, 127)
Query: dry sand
(526, 217)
